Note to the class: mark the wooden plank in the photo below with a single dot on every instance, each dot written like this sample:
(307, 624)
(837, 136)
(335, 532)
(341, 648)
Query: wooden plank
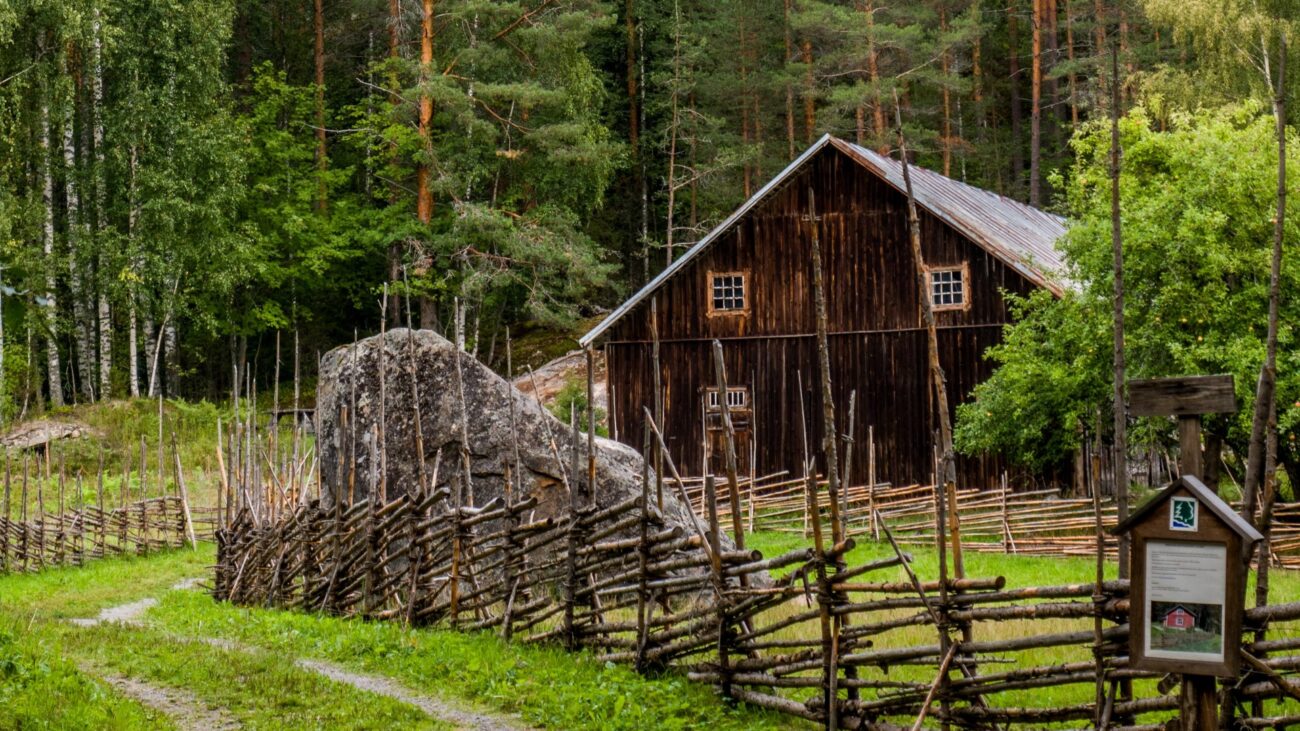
(1182, 396)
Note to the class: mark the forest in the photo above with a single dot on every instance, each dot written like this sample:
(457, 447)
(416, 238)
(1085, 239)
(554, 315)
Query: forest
(179, 182)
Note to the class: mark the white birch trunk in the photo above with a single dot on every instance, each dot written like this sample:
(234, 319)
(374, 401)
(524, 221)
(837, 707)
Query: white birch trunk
(148, 362)
(53, 368)
(81, 312)
(133, 351)
(105, 319)
(105, 344)
(133, 345)
(171, 356)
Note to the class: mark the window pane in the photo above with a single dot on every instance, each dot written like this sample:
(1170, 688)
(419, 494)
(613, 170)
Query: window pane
(947, 288)
(728, 292)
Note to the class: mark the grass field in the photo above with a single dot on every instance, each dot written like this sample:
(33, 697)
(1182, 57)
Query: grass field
(51, 671)
(1019, 571)
(55, 675)
(240, 661)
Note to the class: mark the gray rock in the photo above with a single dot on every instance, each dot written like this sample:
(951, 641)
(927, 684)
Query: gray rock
(350, 374)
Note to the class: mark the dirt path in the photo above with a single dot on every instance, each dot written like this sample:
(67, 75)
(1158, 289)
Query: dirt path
(130, 613)
(121, 614)
(189, 713)
(186, 711)
(450, 712)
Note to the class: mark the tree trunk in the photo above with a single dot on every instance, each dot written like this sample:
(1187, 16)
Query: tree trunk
(105, 345)
(789, 87)
(1119, 406)
(756, 109)
(1213, 460)
(1036, 106)
(674, 123)
(976, 62)
(133, 351)
(1073, 78)
(809, 94)
(133, 345)
(395, 99)
(945, 66)
(84, 356)
(1264, 390)
(1013, 69)
(428, 314)
(172, 358)
(424, 197)
(1099, 36)
(873, 76)
(633, 128)
(1052, 57)
(322, 161)
(747, 169)
(148, 359)
(105, 317)
(53, 368)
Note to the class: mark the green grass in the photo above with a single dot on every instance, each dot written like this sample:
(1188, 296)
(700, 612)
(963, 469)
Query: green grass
(546, 685)
(40, 688)
(1020, 571)
(43, 658)
(549, 687)
(260, 690)
(82, 592)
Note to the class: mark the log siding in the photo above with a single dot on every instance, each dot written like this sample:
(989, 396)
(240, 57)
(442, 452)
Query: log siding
(877, 340)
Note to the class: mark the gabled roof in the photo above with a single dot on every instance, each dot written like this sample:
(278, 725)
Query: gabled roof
(1205, 496)
(1021, 236)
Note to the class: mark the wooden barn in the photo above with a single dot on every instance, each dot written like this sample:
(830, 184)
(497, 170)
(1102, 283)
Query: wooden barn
(748, 284)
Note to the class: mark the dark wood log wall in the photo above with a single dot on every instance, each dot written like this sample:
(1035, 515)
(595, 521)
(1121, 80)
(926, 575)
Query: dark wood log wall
(877, 344)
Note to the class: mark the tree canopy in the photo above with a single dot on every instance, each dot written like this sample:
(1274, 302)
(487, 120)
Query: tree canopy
(1197, 210)
(179, 181)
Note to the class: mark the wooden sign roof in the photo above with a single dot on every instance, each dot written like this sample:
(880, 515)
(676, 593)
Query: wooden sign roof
(1216, 505)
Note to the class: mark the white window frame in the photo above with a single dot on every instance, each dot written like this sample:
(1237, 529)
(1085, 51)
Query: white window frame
(713, 286)
(737, 399)
(962, 289)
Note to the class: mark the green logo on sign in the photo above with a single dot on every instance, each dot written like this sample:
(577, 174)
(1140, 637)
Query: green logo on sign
(1182, 513)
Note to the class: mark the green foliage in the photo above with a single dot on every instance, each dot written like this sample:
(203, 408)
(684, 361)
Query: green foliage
(1197, 203)
(1049, 383)
(572, 400)
(521, 159)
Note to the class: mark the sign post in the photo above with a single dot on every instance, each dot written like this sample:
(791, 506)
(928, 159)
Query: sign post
(1187, 600)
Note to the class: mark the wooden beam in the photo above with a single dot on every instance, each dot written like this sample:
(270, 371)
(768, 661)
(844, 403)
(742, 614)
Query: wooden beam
(1184, 396)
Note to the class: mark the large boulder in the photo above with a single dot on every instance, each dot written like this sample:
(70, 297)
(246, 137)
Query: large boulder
(350, 377)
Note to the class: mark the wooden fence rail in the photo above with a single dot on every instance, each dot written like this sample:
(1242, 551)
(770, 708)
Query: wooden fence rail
(1037, 523)
(74, 537)
(867, 645)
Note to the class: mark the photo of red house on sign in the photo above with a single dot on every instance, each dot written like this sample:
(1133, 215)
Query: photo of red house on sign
(1186, 628)
(1179, 618)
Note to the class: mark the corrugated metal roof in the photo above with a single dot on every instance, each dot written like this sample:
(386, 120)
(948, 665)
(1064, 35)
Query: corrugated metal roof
(1021, 236)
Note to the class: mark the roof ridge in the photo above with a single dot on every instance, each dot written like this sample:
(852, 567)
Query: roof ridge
(1023, 238)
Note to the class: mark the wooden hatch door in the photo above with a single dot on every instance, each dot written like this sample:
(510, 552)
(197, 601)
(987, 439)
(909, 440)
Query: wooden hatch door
(742, 418)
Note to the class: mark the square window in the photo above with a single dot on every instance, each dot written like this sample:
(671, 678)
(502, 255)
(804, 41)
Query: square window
(948, 288)
(727, 293)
